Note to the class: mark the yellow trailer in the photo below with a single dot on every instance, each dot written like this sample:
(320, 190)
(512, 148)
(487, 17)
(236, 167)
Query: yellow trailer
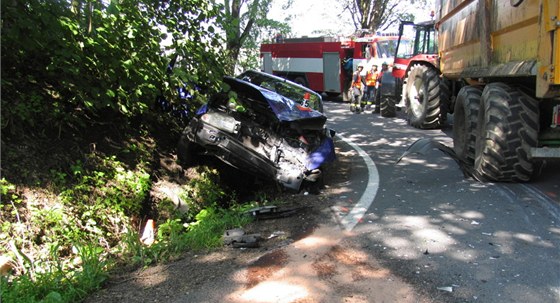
(501, 39)
(503, 59)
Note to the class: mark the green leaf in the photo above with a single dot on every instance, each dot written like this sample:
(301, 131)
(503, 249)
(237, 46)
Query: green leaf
(53, 297)
(124, 109)
(113, 8)
(110, 93)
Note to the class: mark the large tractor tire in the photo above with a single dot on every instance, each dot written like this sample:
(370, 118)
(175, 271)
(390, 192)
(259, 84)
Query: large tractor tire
(465, 119)
(422, 97)
(508, 125)
(388, 108)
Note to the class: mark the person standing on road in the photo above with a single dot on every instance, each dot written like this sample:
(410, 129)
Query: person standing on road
(371, 83)
(384, 68)
(357, 89)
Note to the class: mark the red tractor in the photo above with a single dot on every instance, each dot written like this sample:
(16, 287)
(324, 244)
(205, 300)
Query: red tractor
(425, 94)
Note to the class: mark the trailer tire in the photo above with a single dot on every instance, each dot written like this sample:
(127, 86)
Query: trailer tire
(465, 119)
(423, 97)
(446, 104)
(388, 107)
(508, 125)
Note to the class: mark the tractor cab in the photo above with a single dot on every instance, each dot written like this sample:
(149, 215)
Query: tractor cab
(423, 47)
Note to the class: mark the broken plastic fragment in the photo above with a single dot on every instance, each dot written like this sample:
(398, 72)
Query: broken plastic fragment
(446, 288)
(276, 234)
(148, 234)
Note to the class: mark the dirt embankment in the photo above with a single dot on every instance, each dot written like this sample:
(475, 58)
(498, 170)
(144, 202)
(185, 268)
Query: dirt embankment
(301, 258)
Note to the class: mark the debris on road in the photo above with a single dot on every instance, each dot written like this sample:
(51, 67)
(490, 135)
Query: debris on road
(424, 145)
(273, 212)
(238, 239)
(446, 288)
(276, 234)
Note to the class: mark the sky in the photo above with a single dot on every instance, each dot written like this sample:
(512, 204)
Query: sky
(318, 15)
(312, 15)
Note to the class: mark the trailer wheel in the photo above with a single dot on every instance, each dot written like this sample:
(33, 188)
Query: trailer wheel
(423, 97)
(465, 119)
(446, 104)
(388, 108)
(508, 123)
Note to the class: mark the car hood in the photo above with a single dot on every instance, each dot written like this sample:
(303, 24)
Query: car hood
(284, 110)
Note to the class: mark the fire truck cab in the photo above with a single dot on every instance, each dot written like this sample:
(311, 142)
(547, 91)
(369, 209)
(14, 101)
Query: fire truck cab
(326, 64)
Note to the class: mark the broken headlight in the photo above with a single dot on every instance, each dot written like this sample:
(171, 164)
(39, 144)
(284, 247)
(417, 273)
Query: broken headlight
(222, 121)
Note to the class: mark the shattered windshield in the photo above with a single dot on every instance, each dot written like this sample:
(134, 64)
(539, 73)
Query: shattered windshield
(284, 88)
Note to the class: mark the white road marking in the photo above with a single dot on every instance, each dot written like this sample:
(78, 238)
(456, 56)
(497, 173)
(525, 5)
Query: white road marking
(350, 220)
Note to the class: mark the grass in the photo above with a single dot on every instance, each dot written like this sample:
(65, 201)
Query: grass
(60, 284)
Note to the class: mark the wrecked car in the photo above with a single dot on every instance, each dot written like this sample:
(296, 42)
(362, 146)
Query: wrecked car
(261, 132)
(284, 87)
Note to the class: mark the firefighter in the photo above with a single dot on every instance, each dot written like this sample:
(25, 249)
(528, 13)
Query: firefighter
(357, 89)
(371, 83)
(384, 68)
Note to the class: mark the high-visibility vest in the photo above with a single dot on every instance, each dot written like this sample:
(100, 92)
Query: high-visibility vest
(357, 80)
(371, 78)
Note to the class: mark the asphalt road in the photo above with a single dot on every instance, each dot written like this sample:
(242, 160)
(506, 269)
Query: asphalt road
(471, 241)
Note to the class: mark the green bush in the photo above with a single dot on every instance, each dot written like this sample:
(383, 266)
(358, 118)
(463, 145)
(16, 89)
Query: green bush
(91, 60)
(55, 283)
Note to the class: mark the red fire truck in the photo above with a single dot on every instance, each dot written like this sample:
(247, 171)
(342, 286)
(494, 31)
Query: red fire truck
(321, 63)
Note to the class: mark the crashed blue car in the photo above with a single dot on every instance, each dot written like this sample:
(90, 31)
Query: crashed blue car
(261, 132)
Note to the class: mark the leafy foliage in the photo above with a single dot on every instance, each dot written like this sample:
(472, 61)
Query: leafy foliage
(246, 25)
(56, 284)
(79, 83)
(89, 58)
(377, 15)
